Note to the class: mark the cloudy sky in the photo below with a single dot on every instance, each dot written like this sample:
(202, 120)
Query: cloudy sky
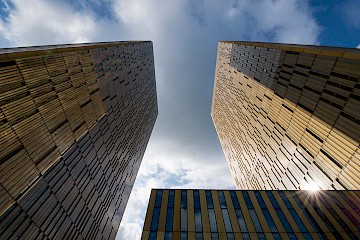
(183, 151)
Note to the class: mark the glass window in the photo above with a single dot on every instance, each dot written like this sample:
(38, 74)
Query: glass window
(155, 219)
(196, 199)
(273, 200)
(306, 214)
(230, 236)
(298, 221)
(285, 200)
(222, 199)
(183, 198)
(152, 236)
(158, 198)
(241, 220)
(183, 236)
(198, 224)
(183, 219)
(169, 219)
(234, 199)
(245, 236)
(261, 236)
(214, 236)
(292, 236)
(283, 220)
(269, 220)
(212, 219)
(199, 236)
(255, 220)
(260, 200)
(307, 236)
(171, 199)
(276, 236)
(226, 218)
(209, 199)
(247, 199)
(168, 236)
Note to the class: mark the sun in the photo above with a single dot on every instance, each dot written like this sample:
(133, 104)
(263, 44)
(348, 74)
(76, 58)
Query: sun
(312, 186)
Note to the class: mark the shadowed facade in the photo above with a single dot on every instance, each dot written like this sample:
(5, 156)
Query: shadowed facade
(75, 121)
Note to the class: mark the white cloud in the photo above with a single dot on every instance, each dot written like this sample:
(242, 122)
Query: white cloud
(184, 151)
(358, 46)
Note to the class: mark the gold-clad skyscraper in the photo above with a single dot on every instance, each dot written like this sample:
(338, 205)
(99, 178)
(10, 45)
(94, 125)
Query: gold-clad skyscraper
(288, 116)
(75, 121)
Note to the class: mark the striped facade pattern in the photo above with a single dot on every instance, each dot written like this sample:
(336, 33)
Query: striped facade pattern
(252, 214)
(74, 124)
(288, 116)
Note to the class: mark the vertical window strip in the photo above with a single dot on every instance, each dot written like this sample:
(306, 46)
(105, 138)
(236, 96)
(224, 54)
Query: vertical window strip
(255, 220)
(152, 235)
(155, 219)
(168, 236)
(198, 223)
(238, 212)
(212, 219)
(222, 199)
(183, 211)
(266, 212)
(209, 200)
(227, 221)
(214, 236)
(158, 198)
(169, 219)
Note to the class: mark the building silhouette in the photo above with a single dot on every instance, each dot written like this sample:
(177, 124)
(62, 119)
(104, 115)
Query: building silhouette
(288, 116)
(74, 124)
(251, 214)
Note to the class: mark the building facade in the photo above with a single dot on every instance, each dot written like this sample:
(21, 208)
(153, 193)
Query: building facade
(74, 124)
(288, 116)
(251, 214)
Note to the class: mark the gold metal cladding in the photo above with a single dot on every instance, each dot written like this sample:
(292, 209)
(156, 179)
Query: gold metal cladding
(287, 118)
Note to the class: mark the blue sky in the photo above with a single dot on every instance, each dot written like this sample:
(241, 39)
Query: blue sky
(183, 151)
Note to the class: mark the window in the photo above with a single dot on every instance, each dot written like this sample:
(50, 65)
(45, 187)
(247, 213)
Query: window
(261, 236)
(168, 236)
(298, 221)
(246, 236)
(255, 220)
(169, 219)
(183, 198)
(198, 224)
(230, 236)
(234, 199)
(155, 219)
(283, 220)
(196, 199)
(241, 220)
(209, 200)
(269, 220)
(276, 236)
(226, 218)
(212, 219)
(222, 199)
(260, 200)
(214, 236)
(183, 236)
(247, 199)
(158, 198)
(171, 199)
(152, 236)
(183, 211)
(199, 236)
(183, 219)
